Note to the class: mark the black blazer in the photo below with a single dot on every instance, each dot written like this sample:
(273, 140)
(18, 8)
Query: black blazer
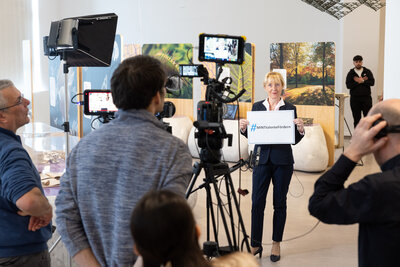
(276, 154)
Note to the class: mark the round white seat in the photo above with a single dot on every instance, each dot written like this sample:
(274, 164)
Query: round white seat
(311, 153)
(180, 126)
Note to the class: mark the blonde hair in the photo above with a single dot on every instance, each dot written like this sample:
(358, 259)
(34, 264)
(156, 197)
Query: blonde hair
(275, 76)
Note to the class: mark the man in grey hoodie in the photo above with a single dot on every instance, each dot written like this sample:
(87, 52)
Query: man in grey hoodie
(113, 167)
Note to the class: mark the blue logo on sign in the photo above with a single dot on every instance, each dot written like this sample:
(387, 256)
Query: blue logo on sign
(253, 127)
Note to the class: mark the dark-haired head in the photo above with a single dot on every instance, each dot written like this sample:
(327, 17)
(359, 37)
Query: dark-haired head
(358, 58)
(164, 230)
(136, 81)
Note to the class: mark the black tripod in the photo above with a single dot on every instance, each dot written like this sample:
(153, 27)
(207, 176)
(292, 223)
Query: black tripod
(213, 171)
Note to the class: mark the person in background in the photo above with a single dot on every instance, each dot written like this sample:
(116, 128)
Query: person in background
(374, 201)
(359, 81)
(25, 213)
(275, 164)
(111, 168)
(165, 234)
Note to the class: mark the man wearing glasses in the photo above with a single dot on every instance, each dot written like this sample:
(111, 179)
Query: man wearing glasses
(25, 213)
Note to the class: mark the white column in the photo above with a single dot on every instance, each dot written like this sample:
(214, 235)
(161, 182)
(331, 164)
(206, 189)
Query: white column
(392, 52)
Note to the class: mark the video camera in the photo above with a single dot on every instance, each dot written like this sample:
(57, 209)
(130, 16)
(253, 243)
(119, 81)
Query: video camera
(220, 49)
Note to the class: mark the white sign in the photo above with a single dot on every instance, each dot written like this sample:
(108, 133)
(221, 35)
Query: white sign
(271, 127)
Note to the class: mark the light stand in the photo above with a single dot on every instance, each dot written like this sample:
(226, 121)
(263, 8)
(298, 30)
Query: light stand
(66, 129)
(66, 116)
(80, 41)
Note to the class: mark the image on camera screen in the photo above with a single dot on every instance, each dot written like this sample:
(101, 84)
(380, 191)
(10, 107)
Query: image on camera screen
(225, 49)
(190, 70)
(101, 102)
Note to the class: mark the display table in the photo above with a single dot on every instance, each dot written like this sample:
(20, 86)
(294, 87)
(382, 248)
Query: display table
(46, 147)
(341, 97)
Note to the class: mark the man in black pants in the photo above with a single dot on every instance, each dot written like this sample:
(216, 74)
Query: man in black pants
(374, 201)
(359, 80)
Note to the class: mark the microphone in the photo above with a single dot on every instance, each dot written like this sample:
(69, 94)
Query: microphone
(255, 157)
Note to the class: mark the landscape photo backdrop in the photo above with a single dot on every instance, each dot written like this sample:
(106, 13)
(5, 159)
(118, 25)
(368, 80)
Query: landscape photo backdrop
(310, 68)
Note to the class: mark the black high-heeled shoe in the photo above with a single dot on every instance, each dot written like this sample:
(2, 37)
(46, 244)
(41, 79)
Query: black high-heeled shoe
(258, 251)
(274, 258)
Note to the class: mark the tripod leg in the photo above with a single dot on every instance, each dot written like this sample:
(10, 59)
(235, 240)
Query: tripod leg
(246, 238)
(210, 210)
(196, 171)
(221, 208)
(235, 241)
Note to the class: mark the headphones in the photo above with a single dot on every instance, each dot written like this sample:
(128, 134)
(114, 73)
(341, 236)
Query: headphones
(386, 130)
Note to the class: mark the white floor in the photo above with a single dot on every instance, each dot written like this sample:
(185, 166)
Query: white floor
(326, 245)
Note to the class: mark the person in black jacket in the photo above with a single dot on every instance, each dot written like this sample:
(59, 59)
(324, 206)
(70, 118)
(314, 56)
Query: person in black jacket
(359, 80)
(374, 201)
(276, 165)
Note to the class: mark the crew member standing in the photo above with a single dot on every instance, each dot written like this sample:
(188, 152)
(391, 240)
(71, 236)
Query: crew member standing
(359, 80)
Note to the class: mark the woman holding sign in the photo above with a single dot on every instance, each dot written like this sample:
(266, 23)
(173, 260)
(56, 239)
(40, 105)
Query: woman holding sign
(275, 163)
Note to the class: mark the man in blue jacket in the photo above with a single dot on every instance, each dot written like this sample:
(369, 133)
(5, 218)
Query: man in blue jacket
(25, 213)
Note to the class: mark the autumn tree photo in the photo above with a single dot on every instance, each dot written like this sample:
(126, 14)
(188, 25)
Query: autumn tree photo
(310, 71)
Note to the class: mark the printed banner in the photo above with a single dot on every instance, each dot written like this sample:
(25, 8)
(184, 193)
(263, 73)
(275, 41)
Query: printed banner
(271, 127)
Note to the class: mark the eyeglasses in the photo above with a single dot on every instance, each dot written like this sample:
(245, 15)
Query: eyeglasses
(20, 100)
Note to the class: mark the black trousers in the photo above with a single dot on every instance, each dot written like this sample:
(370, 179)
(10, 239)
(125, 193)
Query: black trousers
(41, 259)
(262, 176)
(360, 104)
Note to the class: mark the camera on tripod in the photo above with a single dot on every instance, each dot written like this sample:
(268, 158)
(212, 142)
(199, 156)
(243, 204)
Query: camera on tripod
(219, 49)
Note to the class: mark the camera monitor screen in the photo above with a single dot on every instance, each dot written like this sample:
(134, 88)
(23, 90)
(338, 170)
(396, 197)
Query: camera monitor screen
(221, 48)
(230, 113)
(189, 70)
(99, 102)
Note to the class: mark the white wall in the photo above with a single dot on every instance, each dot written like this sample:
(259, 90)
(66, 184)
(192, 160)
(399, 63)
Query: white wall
(15, 26)
(392, 51)
(262, 22)
(180, 21)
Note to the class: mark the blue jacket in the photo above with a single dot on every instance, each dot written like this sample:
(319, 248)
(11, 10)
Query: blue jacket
(18, 176)
(276, 154)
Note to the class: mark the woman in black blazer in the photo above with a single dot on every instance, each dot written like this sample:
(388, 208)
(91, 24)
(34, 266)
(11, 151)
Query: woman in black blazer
(275, 163)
